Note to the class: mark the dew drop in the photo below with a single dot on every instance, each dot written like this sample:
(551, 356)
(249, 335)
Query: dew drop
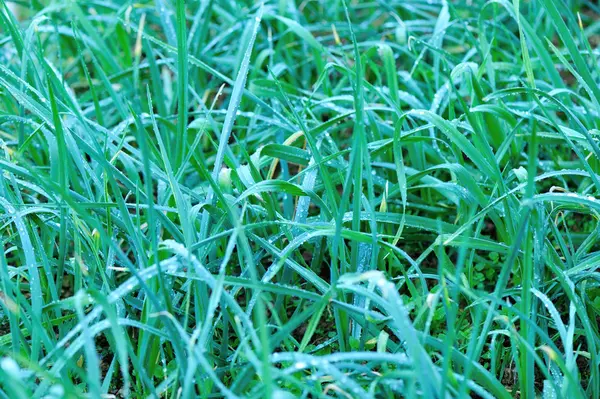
(300, 365)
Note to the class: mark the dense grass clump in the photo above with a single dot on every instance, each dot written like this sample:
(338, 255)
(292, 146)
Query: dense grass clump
(346, 199)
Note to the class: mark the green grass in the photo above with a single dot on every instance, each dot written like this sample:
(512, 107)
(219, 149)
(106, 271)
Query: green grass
(346, 199)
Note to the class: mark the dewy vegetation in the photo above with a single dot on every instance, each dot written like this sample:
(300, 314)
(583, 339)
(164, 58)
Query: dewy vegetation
(326, 198)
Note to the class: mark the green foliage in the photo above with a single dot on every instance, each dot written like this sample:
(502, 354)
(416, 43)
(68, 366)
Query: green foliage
(218, 198)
